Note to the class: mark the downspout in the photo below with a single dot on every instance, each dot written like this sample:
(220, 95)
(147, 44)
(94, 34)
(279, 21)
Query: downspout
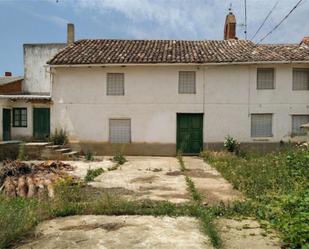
(204, 98)
(249, 90)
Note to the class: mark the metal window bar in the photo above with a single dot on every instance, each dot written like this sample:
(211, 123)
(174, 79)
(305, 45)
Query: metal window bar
(115, 84)
(186, 82)
(301, 79)
(297, 122)
(261, 125)
(120, 131)
(265, 78)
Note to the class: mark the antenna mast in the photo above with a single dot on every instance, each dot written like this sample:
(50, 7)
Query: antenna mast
(245, 19)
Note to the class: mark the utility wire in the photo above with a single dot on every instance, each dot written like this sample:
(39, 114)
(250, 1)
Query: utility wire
(266, 18)
(283, 19)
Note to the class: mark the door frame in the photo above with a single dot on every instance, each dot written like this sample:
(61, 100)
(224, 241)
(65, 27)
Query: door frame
(33, 123)
(10, 124)
(177, 135)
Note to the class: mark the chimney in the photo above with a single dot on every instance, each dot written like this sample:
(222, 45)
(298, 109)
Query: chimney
(305, 41)
(70, 33)
(8, 74)
(230, 26)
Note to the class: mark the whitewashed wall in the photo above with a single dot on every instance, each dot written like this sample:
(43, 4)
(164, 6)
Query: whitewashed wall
(37, 80)
(151, 100)
(20, 133)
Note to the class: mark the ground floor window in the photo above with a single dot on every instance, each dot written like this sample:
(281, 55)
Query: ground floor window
(120, 131)
(261, 125)
(19, 117)
(297, 122)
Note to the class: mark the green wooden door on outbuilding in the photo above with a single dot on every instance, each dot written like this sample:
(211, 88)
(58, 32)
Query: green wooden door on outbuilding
(190, 133)
(41, 123)
(6, 124)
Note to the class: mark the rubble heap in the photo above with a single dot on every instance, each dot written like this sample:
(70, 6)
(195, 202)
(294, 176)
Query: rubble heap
(28, 179)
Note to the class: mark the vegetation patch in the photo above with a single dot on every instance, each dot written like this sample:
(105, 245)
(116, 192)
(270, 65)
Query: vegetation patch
(93, 173)
(196, 196)
(205, 216)
(277, 187)
(59, 137)
(119, 158)
(89, 156)
(181, 161)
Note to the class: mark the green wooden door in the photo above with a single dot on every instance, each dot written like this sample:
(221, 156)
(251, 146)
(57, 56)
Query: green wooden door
(6, 124)
(41, 123)
(190, 133)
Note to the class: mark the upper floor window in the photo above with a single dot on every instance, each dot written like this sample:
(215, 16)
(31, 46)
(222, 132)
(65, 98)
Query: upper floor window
(265, 78)
(301, 79)
(297, 122)
(186, 82)
(115, 84)
(19, 117)
(261, 125)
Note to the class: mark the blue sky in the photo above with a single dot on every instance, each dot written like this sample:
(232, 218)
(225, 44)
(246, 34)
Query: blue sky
(44, 21)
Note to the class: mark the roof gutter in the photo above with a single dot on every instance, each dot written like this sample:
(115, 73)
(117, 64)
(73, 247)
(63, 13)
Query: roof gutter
(179, 64)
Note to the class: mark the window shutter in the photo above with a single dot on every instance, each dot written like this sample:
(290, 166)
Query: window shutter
(186, 82)
(297, 122)
(300, 79)
(120, 130)
(265, 78)
(115, 84)
(261, 125)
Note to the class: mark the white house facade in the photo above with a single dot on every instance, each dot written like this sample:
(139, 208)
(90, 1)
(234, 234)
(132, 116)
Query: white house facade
(225, 96)
(155, 97)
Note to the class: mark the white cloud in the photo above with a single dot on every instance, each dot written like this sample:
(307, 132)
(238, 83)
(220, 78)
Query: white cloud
(200, 19)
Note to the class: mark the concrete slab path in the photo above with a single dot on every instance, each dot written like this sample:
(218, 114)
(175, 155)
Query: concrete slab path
(114, 232)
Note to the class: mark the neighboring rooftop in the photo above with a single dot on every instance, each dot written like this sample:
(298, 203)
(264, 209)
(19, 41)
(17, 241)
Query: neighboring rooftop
(9, 79)
(106, 51)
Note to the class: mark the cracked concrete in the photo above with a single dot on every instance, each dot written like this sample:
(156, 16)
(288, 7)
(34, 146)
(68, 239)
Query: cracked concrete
(160, 179)
(114, 232)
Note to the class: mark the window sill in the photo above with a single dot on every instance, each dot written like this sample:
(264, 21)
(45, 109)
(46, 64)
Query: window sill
(261, 139)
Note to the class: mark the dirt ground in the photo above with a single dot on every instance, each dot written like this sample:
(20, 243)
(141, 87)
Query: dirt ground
(114, 232)
(160, 178)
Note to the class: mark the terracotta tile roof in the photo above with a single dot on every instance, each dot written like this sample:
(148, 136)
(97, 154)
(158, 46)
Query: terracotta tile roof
(9, 79)
(175, 51)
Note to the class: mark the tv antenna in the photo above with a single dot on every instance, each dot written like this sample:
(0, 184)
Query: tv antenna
(245, 24)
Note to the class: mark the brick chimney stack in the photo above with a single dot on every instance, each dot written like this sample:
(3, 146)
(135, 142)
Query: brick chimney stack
(8, 74)
(230, 26)
(70, 33)
(305, 41)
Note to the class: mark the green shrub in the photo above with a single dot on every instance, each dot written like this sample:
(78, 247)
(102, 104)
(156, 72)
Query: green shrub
(59, 137)
(89, 156)
(119, 158)
(93, 173)
(231, 144)
(18, 217)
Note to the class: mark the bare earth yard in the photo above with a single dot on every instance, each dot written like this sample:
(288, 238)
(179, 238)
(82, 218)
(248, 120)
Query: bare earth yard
(154, 178)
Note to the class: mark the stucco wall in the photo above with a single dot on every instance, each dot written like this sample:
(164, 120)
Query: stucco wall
(37, 80)
(20, 133)
(226, 95)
